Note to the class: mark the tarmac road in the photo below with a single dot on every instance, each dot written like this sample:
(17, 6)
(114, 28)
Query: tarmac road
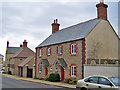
(13, 84)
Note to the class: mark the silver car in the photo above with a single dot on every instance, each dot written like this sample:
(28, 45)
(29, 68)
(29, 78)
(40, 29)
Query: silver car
(94, 82)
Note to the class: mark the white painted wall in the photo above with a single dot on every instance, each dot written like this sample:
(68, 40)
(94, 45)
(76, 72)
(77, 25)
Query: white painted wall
(105, 70)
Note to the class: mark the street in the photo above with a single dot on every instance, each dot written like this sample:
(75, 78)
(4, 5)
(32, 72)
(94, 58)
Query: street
(11, 84)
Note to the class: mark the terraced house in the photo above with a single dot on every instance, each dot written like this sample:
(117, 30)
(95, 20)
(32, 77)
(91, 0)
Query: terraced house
(66, 51)
(22, 62)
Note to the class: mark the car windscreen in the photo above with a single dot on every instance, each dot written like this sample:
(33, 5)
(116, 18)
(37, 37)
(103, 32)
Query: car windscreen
(115, 80)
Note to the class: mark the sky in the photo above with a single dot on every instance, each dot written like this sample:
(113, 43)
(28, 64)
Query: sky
(32, 21)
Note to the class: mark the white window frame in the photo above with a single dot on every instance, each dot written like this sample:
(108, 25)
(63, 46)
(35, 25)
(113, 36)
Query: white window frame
(73, 74)
(73, 48)
(40, 68)
(59, 50)
(48, 51)
(40, 52)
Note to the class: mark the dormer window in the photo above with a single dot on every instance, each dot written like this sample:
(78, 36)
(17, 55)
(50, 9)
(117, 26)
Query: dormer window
(73, 48)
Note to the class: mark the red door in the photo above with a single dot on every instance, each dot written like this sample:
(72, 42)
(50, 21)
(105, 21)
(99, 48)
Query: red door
(46, 71)
(62, 74)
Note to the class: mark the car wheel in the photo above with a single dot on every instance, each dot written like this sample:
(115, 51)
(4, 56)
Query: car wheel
(83, 88)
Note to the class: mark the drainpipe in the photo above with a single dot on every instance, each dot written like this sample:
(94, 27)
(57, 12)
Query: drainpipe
(36, 63)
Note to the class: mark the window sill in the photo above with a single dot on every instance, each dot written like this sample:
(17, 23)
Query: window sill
(59, 54)
(40, 72)
(73, 76)
(48, 55)
(74, 54)
(40, 56)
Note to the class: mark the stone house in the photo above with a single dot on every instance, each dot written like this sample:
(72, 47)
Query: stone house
(1, 62)
(10, 51)
(66, 51)
(22, 62)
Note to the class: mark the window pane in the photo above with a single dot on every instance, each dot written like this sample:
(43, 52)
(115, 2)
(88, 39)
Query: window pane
(93, 80)
(39, 67)
(104, 81)
(40, 53)
(59, 50)
(75, 71)
(48, 51)
(74, 48)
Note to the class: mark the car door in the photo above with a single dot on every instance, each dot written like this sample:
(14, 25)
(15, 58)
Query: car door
(92, 82)
(104, 83)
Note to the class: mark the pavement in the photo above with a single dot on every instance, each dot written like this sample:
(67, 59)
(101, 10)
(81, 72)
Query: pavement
(59, 84)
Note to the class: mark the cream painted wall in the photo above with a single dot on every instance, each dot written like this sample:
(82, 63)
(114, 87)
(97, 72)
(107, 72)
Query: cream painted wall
(102, 42)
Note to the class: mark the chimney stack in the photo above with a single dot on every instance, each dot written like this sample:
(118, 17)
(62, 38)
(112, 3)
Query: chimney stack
(102, 10)
(7, 43)
(55, 26)
(25, 43)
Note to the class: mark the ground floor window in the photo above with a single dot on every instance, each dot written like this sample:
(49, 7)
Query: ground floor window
(73, 71)
(40, 68)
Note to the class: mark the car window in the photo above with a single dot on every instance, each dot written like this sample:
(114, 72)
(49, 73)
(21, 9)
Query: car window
(92, 80)
(104, 81)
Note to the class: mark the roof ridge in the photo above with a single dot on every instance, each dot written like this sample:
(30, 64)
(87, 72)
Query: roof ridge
(75, 25)
(14, 47)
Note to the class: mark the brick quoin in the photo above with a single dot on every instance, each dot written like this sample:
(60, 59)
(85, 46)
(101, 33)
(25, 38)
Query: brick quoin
(83, 56)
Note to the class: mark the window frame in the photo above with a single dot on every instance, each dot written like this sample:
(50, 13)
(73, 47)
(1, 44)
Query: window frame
(59, 50)
(48, 51)
(73, 74)
(40, 68)
(40, 52)
(73, 48)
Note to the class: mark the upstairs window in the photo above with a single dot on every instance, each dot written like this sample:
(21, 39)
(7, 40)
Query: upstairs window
(59, 50)
(40, 52)
(73, 48)
(48, 51)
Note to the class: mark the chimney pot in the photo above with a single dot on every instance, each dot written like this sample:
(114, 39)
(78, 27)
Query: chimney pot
(7, 43)
(56, 20)
(55, 26)
(25, 43)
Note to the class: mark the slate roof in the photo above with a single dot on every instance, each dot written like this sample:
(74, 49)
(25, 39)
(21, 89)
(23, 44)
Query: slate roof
(13, 50)
(26, 61)
(45, 62)
(75, 32)
(62, 62)
(24, 52)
